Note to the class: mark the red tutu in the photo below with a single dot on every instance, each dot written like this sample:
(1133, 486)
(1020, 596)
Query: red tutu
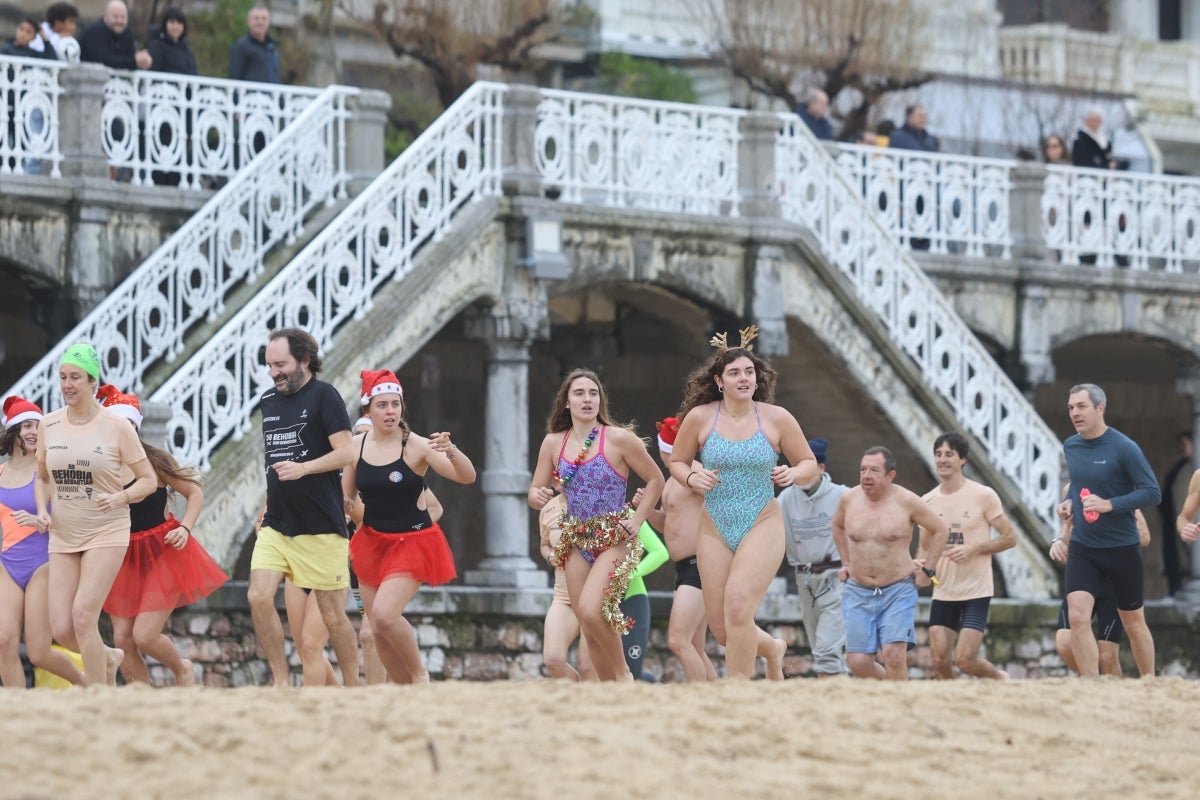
(156, 576)
(423, 554)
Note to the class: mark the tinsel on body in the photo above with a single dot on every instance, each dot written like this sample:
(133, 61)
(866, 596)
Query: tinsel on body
(594, 536)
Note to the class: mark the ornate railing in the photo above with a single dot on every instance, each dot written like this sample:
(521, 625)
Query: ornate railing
(374, 240)
(186, 280)
(632, 153)
(935, 202)
(1109, 218)
(183, 129)
(814, 193)
(29, 92)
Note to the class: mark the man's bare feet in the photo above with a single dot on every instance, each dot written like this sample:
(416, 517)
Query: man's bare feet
(774, 658)
(115, 656)
(186, 675)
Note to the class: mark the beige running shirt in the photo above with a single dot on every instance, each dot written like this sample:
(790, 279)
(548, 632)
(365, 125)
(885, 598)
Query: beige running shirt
(84, 461)
(968, 513)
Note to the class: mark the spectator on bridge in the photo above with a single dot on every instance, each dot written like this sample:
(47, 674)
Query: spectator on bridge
(883, 132)
(168, 46)
(912, 134)
(58, 31)
(1092, 148)
(109, 41)
(1054, 150)
(814, 110)
(255, 56)
(21, 44)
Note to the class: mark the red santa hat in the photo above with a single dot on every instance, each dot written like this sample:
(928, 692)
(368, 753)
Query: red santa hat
(18, 410)
(126, 405)
(668, 429)
(380, 381)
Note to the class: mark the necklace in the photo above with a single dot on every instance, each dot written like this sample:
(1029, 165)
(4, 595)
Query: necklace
(565, 478)
(729, 413)
(85, 420)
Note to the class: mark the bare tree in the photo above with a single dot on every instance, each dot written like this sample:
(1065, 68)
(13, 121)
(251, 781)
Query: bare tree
(454, 38)
(857, 51)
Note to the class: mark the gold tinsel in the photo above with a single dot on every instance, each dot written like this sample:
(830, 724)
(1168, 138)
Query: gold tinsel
(594, 536)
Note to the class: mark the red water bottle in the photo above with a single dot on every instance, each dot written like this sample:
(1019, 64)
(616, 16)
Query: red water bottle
(1090, 516)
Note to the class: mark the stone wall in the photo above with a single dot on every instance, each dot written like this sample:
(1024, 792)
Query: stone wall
(472, 634)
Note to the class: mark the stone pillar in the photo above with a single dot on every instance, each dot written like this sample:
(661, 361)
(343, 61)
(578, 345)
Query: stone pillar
(154, 423)
(766, 302)
(1025, 213)
(1189, 384)
(521, 176)
(1033, 340)
(90, 268)
(505, 477)
(756, 165)
(365, 136)
(80, 128)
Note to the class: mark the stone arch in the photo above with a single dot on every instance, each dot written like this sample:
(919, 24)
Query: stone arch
(32, 315)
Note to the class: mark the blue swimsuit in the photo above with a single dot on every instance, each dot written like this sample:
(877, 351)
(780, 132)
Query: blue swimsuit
(745, 485)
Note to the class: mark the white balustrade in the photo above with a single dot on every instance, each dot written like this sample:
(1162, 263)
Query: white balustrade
(1113, 218)
(188, 128)
(374, 240)
(29, 92)
(638, 154)
(815, 193)
(185, 282)
(935, 202)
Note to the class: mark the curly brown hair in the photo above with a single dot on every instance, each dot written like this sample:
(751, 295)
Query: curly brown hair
(10, 439)
(701, 386)
(560, 416)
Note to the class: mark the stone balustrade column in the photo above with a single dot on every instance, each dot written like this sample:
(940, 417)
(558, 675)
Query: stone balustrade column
(80, 126)
(519, 155)
(365, 136)
(1025, 213)
(505, 477)
(1189, 384)
(756, 165)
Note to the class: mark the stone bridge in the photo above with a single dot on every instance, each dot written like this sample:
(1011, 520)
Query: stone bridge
(531, 231)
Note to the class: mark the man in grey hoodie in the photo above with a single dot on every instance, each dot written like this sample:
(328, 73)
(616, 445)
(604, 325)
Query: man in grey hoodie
(808, 521)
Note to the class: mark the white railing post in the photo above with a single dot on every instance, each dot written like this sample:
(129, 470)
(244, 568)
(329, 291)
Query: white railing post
(361, 148)
(30, 98)
(1025, 212)
(521, 143)
(756, 165)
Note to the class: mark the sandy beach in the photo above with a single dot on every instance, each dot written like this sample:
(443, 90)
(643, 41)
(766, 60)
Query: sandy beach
(1022, 739)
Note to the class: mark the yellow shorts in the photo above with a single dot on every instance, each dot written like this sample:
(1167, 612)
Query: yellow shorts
(312, 560)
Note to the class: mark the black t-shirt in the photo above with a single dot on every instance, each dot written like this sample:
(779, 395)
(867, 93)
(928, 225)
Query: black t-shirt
(297, 427)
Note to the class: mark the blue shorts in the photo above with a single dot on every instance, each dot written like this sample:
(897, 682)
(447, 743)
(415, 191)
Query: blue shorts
(878, 616)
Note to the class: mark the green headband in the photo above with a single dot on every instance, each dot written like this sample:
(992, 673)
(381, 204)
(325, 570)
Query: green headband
(83, 356)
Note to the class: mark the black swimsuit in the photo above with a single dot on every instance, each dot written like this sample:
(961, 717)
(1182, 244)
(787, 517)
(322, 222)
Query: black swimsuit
(391, 494)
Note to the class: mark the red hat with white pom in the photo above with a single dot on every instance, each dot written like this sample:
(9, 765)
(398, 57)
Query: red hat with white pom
(18, 410)
(668, 429)
(379, 381)
(126, 405)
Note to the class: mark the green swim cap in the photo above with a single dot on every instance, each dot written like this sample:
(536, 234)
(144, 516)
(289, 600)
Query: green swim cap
(83, 356)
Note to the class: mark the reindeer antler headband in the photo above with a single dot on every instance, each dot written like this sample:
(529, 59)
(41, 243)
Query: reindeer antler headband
(721, 340)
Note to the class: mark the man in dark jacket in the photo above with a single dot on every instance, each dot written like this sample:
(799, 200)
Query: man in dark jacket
(912, 134)
(814, 110)
(255, 56)
(1091, 147)
(109, 41)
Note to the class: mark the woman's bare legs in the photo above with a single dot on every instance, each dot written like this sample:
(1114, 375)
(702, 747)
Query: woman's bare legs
(12, 611)
(38, 639)
(392, 662)
(79, 585)
(586, 585)
(149, 637)
(387, 616)
(561, 628)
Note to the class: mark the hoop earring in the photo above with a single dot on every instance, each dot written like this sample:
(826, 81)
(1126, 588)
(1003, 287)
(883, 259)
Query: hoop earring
(721, 389)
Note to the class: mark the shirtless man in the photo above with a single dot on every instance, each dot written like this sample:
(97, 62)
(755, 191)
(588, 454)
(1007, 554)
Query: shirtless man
(678, 517)
(873, 527)
(1186, 524)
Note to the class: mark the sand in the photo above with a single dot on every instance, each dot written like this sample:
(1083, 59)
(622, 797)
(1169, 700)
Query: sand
(541, 739)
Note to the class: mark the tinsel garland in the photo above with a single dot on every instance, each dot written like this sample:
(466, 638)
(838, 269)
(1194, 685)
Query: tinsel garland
(594, 536)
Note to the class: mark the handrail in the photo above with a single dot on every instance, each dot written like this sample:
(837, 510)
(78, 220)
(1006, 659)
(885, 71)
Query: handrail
(815, 193)
(373, 240)
(29, 93)
(671, 157)
(186, 280)
(189, 128)
(934, 201)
